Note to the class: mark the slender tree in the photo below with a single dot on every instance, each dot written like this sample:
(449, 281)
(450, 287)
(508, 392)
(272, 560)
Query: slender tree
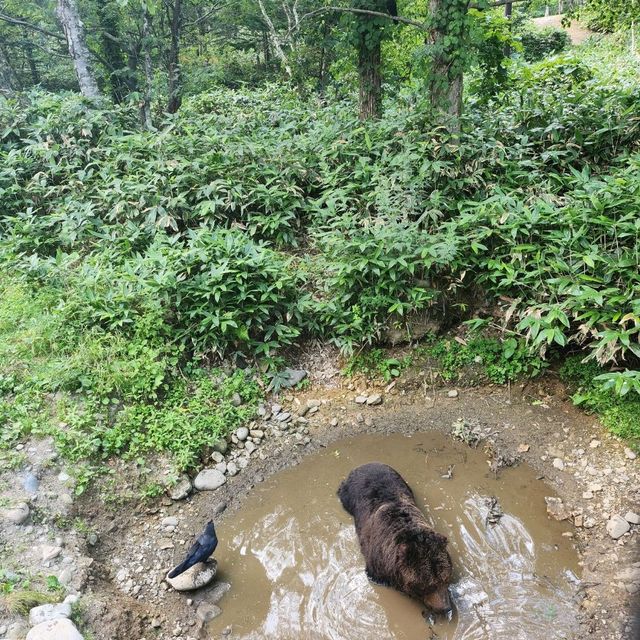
(175, 80)
(69, 17)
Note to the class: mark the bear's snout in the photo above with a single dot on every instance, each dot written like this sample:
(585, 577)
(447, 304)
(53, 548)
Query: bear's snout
(439, 601)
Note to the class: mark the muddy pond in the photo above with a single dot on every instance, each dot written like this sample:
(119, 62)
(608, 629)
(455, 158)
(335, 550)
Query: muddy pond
(296, 572)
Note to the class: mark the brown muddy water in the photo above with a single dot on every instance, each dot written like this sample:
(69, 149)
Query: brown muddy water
(296, 572)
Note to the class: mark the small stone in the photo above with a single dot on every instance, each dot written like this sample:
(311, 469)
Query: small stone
(334, 422)
(276, 409)
(217, 457)
(594, 487)
(242, 462)
(30, 483)
(18, 514)
(165, 543)
(578, 521)
(242, 433)
(453, 393)
(215, 594)
(220, 446)
(629, 453)
(632, 517)
(236, 400)
(594, 444)
(374, 399)
(257, 433)
(155, 623)
(284, 416)
(587, 495)
(232, 469)
(617, 526)
(250, 447)
(556, 508)
(47, 612)
(221, 467)
(207, 612)
(58, 629)
(630, 574)
(181, 489)
(169, 521)
(291, 377)
(209, 480)
(195, 577)
(361, 399)
(92, 539)
(313, 410)
(523, 448)
(558, 464)
(49, 552)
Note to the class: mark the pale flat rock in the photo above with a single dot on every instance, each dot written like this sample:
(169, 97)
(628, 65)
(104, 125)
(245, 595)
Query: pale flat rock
(47, 612)
(632, 517)
(58, 629)
(617, 527)
(18, 514)
(556, 508)
(209, 480)
(199, 575)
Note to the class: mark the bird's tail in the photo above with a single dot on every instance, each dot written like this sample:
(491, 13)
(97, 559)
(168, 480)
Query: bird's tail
(181, 568)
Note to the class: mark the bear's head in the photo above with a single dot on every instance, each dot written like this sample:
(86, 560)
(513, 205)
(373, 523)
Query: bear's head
(425, 568)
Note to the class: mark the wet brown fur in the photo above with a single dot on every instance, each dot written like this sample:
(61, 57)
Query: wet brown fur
(400, 549)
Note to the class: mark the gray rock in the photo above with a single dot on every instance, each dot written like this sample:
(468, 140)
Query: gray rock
(629, 453)
(58, 629)
(30, 483)
(285, 416)
(242, 433)
(169, 521)
(276, 409)
(374, 399)
(215, 595)
(220, 446)
(181, 489)
(195, 577)
(49, 552)
(209, 480)
(92, 539)
(293, 377)
(617, 527)
(556, 508)
(18, 514)
(250, 447)
(632, 517)
(257, 433)
(217, 457)
(232, 469)
(207, 612)
(558, 464)
(221, 467)
(236, 400)
(47, 612)
(361, 399)
(453, 393)
(630, 574)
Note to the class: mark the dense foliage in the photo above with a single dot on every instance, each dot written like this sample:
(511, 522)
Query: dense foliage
(135, 258)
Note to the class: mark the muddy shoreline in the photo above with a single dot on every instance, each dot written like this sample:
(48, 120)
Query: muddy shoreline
(123, 595)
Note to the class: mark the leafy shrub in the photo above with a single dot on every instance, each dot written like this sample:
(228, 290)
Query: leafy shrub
(539, 43)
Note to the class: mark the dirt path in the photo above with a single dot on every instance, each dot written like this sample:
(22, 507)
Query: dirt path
(116, 560)
(577, 33)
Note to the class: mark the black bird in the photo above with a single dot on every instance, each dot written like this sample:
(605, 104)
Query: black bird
(202, 548)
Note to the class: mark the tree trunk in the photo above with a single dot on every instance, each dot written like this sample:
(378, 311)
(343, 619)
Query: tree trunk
(369, 59)
(7, 87)
(67, 12)
(446, 82)
(145, 111)
(175, 90)
(273, 34)
(28, 49)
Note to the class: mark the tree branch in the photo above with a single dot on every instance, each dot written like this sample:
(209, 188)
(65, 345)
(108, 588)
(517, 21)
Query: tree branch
(33, 27)
(375, 14)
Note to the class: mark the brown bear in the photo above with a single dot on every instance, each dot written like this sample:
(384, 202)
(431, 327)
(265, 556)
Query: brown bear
(399, 547)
